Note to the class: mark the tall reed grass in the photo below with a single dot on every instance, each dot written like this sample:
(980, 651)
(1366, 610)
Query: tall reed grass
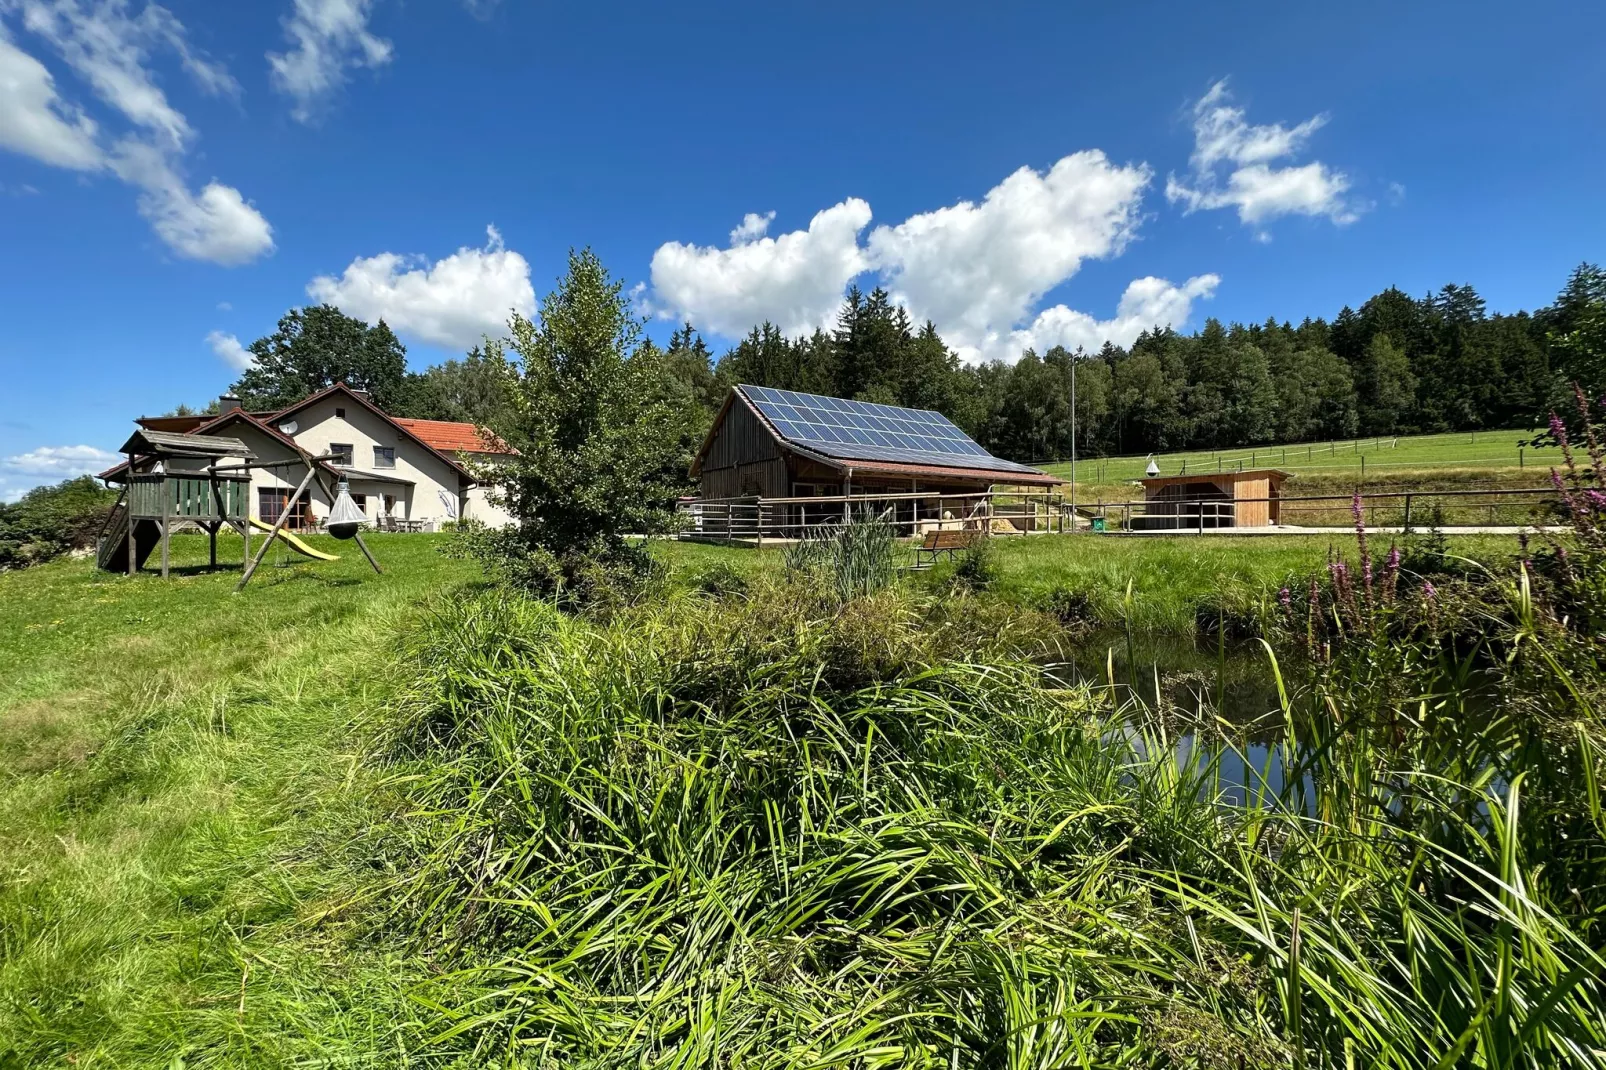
(791, 830)
(853, 559)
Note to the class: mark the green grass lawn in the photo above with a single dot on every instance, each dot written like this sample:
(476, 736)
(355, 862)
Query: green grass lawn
(170, 749)
(1428, 459)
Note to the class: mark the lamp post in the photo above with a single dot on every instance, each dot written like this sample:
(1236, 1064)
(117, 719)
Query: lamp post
(1073, 443)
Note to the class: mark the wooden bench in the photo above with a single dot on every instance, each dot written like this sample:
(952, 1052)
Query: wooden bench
(942, 542)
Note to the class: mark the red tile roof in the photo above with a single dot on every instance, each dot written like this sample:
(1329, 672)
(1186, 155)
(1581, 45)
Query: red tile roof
(447, 435)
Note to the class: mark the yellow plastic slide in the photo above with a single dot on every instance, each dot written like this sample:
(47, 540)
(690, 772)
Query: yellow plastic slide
(296, 544)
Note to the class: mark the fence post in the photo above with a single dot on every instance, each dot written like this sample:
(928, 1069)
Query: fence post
(1407, 525)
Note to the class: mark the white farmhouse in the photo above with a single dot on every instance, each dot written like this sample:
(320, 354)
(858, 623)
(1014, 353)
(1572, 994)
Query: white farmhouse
(408, 474)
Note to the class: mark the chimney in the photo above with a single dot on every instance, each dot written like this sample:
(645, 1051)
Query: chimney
(228, 403)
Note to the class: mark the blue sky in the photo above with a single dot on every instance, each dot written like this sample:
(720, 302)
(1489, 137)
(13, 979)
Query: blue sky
(173, 178)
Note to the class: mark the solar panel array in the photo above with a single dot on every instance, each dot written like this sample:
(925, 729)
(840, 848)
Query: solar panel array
(863, 431)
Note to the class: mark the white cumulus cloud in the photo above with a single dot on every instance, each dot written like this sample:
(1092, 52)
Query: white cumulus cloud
(452, 302)
(228, 349)
(50, 464)
(795, 281)
(1148, 302)
(752, 227)
(978, 269)
(326, 37)
(35, 121)
(111, 50)
(216, 224)
(1225, 141)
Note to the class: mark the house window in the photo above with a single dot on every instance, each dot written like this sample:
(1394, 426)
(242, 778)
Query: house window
(390, 504)
(361, 502)
(272, 502)
(340, 414)
(384, 456)
(342, 453)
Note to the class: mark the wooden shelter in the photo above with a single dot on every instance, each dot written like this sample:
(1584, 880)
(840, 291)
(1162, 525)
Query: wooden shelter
(784, 444)
(1212, 500)
(170, 478)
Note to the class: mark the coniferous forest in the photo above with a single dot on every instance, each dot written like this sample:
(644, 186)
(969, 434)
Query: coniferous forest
(1396, 365)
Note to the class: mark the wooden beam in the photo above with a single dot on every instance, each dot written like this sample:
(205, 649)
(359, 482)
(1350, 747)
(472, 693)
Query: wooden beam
(284, 515)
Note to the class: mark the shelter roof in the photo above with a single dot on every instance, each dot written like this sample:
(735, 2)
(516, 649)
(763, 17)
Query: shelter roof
(147, 441)
(1277, 475)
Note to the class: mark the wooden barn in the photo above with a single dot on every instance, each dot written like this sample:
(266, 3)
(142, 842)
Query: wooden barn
(769, 443)
(1212, 500)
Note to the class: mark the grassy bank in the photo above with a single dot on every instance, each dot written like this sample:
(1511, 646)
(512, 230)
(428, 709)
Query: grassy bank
(1495, 453)
(1155, 584)
(1487, 460)
(172, 754)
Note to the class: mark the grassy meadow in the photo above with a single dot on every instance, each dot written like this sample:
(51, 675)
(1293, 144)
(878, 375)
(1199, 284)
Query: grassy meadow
(1459, 459)
(414, 820)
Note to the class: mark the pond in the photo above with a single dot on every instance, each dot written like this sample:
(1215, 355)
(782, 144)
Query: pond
(1199, 682)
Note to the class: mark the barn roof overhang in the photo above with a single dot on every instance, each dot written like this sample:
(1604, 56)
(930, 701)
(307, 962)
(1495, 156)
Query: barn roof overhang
(1274, 474)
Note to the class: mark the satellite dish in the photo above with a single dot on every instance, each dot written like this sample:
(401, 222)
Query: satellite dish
(289, 427)
(1153, 469)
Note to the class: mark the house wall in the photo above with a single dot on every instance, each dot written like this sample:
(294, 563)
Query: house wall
(477, 502)
(318, 427)
(287, 477)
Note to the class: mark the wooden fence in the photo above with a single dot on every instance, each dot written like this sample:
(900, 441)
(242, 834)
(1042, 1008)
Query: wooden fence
(754, 519)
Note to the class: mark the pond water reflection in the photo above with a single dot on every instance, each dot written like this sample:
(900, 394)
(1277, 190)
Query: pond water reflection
(1218, 700)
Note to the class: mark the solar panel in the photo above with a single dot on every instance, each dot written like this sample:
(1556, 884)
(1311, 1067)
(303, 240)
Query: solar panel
(861, 430)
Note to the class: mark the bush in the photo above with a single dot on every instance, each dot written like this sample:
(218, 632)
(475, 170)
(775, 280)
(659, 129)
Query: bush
(977, 566)
(720, 580)
(594, 436)
(49, 521)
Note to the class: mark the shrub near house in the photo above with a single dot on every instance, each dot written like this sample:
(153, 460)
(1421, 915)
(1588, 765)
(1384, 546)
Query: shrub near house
(49, 521)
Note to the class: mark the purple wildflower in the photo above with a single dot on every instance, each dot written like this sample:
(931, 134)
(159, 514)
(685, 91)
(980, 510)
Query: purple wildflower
(1429, 591)
(1286, 597)
(1558, 430)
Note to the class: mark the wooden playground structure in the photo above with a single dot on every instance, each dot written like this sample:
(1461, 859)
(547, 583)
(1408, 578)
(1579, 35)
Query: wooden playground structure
(177, 479)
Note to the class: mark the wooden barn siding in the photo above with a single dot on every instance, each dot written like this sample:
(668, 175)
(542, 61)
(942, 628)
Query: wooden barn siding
(743, 459)
(765, 478)
(1250, 514)
(741, 439)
